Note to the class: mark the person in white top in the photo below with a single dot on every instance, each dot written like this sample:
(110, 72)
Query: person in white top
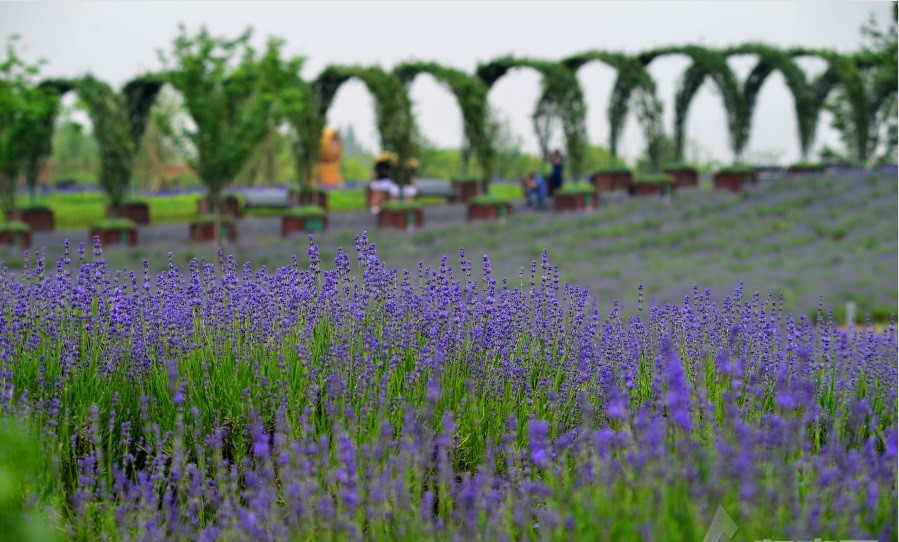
(382, 187)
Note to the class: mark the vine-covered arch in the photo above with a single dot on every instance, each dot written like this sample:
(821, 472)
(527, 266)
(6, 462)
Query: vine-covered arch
(705, 63)
(471, 95)
(393, 108)
(112, 129)
(843, 72)
(770, 60)
(561, 98)
(631, 77)
(140, 95)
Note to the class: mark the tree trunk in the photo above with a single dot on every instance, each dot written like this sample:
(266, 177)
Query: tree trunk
(215, 197)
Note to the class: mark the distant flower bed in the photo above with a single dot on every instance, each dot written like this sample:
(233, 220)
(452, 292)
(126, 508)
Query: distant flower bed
(362, 402)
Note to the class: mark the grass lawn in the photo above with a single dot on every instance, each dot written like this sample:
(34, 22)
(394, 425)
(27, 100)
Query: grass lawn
(80, 210)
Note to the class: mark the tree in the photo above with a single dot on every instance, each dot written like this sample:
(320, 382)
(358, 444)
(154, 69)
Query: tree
(229, 94)
(23, 105)
(877, 62)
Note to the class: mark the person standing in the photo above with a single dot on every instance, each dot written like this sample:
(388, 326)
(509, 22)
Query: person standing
(555, 177)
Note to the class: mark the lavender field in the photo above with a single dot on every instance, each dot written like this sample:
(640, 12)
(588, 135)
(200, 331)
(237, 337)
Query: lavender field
(356, 401)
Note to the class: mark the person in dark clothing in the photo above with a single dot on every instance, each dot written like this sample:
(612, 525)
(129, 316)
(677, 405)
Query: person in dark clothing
(555, 177)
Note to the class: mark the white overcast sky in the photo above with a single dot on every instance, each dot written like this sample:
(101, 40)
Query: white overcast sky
(115, 41)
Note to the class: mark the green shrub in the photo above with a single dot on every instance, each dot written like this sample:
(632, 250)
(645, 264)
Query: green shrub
(114, 224)
(614, 169)
(737, 168)
(654, 178)
(577, 188)
(304, 211)
(489, 199)
(15, 226)
(400, 206)
(680, 166)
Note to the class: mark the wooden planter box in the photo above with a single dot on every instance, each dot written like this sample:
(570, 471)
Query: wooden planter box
(650, 189)
(21, 239)
(400, 219)
(375, 198)
(310, 198)
(38, 219)
(732, 181)
(230, 206)
(113, 237)
(137, 212)
(489, 211)
(203, 232)
(295, 224)
(683, 178)
(613, 181)
(575, 202)
(466, 190)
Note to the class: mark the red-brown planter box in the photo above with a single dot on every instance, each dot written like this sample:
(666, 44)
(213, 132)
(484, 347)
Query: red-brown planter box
(466, 190)
(21, 239)
(575, 202)
(650, 189)
(295, 224)
(204, 232)
(137, 211)
(374, 198)
(38, 219)
(310, 198)
(108, 238)
(230, 206)
(683, 178)
(489, 211)
(731, 181)
(400, 219)
(619, 180)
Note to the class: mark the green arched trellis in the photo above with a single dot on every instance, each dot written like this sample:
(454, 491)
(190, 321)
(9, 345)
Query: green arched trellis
(393, 109)
(471, 95)
(706, 63)
(116, 126)
(632, 78)
(843, 72)
(561, 98)
(770, 60)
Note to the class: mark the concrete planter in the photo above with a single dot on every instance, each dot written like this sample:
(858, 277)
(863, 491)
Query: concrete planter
(230, 206)
(575, 202)
(489, 211)
(298, 224)
(21, 239)
(617, 180)
(37, 218)
(204, 232)
(136, 211)
(115, 236)
(467, 190)
(401, 219)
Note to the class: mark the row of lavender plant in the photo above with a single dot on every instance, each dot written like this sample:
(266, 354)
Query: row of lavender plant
(361, 402)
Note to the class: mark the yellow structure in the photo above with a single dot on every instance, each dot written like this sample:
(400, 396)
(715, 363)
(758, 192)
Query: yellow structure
(327, 168)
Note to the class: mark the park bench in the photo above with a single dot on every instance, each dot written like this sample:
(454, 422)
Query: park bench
(266, 198)
(435, 188)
